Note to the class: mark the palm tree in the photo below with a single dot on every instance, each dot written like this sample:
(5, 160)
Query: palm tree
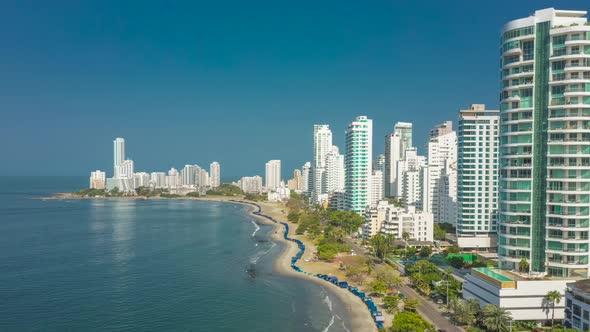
(379, 245)
(523, 266)
(554, 297)
(370, 265)
(496, 319)
(406, 237)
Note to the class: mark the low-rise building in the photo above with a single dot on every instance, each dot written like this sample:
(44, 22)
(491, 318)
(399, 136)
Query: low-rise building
(389, 219)
(577, 305)
(522, 296)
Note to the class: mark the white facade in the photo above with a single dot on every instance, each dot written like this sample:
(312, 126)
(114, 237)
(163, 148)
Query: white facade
(334, 171)
(141, 179)
(282, 193)
(305, 177)
(215, 174)
(118, 156)
(188, 175)
(158, 179)
(396, 145)
(377, 193)
(273, 174)
(98, 179)
(251, 184)
(409, 178)
(358, 164)
(322, 145)
(440, 177)
(477, 178)
(389, 219)
(523, 298)
(374, 218)
(173, 178)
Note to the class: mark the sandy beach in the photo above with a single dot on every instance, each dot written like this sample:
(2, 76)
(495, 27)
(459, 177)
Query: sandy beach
(359, 315)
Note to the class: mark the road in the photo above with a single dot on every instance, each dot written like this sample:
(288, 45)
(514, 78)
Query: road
(429, 310)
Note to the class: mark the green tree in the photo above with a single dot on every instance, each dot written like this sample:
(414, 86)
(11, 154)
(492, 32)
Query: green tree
(456, 261)
(439, 233)
(390, 277)
(464, 313)
(293, 216)
(410, 322)
(411, 304)
(378, 287)
(406, 236)
(523, 266)
(391, 303)
(425, 251)
(379, 244)
(553, 297)
(496, 319)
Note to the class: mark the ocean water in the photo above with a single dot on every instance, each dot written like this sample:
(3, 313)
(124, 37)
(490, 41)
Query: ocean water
(133, 265)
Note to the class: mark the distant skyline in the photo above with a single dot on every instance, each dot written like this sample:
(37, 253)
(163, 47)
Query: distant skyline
(236, 82)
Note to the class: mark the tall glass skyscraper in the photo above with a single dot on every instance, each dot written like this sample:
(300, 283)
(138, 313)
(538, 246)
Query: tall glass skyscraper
(545, 143)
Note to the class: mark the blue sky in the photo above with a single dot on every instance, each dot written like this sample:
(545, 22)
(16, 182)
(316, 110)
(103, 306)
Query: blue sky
(240, 82)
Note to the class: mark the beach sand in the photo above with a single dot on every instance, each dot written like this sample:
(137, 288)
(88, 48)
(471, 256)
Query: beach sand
(359, 315)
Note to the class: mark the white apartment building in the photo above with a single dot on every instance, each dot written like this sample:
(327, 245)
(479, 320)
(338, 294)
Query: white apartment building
(98, 179)
(282, 193)
(273, 174)
(358, 160)
(141, 179)
(322, 145)
(158, 179)
(173, 178)
(396, 145)
(374, 218)
(409, 178)
(334, 171)
(377, 193)
(477, 181)
(188, 175)
(440, 176)
(215, 174)
(305, 177)
(251, 184)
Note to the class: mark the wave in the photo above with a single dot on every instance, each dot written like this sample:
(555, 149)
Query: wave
(329, 324)
(328, 302)
(257, 228)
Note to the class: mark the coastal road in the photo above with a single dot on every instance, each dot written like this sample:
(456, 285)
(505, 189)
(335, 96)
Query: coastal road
(429, 310)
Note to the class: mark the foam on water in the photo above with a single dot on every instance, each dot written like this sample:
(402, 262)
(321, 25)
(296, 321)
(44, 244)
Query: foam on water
(256, 226)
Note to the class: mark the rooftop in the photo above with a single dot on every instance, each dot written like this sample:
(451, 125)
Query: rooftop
(582, 286)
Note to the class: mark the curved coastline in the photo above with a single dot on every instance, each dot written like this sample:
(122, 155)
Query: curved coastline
(358, 313)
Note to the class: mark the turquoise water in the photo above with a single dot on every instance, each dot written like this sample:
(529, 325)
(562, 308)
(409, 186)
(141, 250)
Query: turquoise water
(163, 265)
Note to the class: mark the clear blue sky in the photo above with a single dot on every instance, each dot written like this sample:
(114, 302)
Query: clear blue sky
(241, 82)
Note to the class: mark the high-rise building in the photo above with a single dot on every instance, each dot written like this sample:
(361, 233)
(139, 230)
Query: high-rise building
(97, 179)
(334, 171)
(440, 176)
(141, 179)
(358, 160)
(377, 193)
(251, 184)
(396, 145)
(477, 179)
(322, 145)
(273, 174)
(545, 144)
(158, 179)
(188, 175)
(379, 163)
(215, 173)
(173, 178)
(306, 177)
(295, 182)
(409, 178)
(119, 156)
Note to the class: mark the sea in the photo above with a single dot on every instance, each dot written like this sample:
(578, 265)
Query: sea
(145, 265)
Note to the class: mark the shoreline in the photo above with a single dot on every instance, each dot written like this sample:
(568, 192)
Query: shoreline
(359, 317)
